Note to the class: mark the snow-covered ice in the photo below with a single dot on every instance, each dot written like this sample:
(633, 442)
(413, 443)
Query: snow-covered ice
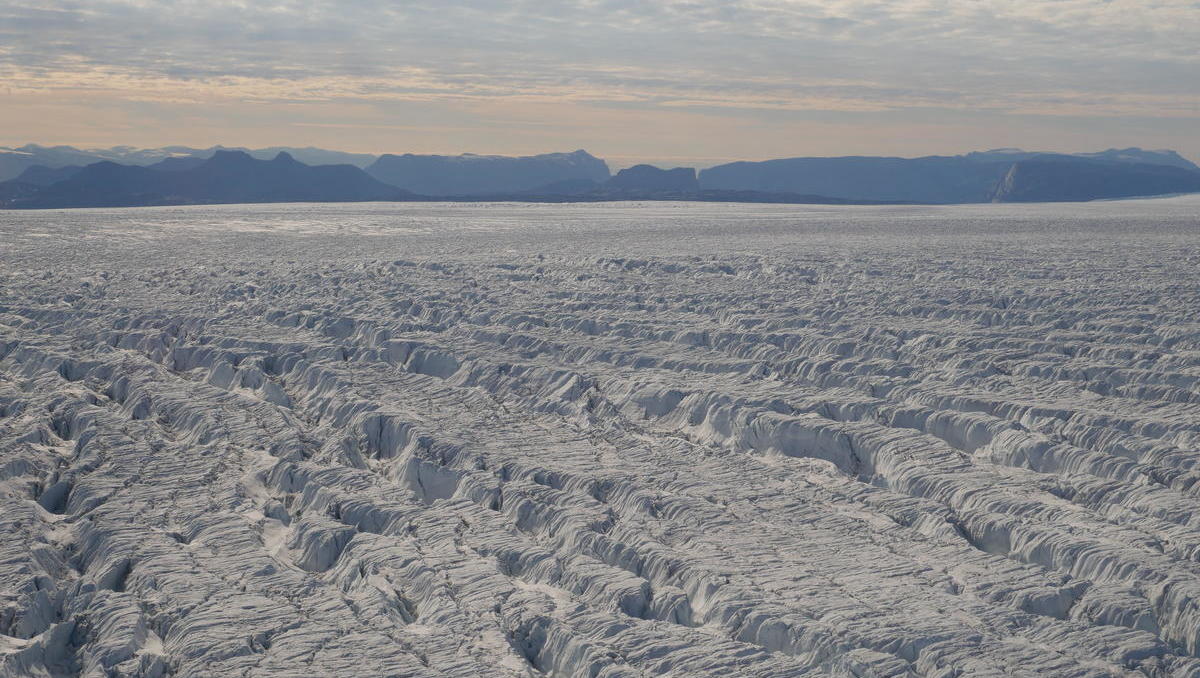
(601, 440)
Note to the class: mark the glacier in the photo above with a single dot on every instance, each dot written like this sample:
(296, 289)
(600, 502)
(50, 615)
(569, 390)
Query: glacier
(605, 440)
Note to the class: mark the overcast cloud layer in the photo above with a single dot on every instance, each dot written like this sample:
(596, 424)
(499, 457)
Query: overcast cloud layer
(679, 80)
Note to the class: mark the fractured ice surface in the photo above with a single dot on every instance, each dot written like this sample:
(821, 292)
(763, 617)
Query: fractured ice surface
(603, 441)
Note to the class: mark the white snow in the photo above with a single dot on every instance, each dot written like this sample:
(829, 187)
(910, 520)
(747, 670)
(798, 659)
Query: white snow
(601, 440)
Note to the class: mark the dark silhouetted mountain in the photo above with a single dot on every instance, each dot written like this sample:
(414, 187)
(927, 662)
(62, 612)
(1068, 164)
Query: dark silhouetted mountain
(479, 175)
(1067, 179)
(179, 163)
(227, 177)
(566, 187)
(307, 155)
(13, 161)
(650, 179)
(1139, 156)
(103, 184)
(1001, 155)
(310, 155)
(934, 179)
(15, 189)
(40, 175)
(646, 182)
(181, 175)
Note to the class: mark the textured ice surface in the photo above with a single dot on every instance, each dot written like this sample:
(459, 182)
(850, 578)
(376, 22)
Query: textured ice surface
(603, 441)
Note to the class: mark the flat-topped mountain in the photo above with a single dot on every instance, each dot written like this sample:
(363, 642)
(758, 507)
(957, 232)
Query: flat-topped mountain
(652, 179)
(1128, 155)
(227, 177)
(477, 175)
(1137, 155)
(1062, 179)
(933, 179)
(973, 177)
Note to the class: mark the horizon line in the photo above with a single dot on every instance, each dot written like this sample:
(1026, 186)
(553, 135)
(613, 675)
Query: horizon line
(626, 161)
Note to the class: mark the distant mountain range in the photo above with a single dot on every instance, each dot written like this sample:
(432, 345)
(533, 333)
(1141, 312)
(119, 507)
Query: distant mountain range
(226, 177)
(942, 179)
(62, 176)
(468, 175)
(1062, 179)
(14, 161)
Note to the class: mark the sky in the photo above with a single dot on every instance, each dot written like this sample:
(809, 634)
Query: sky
(674, 82)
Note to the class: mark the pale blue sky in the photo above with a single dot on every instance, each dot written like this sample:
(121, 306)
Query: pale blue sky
(677, 81)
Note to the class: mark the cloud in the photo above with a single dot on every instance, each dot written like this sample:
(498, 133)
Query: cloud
(1083, 58)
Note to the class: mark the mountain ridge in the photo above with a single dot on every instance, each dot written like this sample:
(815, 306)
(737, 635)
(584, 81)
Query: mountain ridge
(14, 159)
(471, 174)
(972, 177)
(1079, 179)
(226, 177)
(233, 176)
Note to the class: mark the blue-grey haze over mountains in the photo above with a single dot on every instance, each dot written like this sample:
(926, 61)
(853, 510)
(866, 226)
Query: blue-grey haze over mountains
(33, 177)
(695, 82)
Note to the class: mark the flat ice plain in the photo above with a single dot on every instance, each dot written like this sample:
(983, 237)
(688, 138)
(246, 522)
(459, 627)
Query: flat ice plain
(601, 440)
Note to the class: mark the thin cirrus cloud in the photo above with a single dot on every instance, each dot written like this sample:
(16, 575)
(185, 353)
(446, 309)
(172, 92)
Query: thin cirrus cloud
(778, 66)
